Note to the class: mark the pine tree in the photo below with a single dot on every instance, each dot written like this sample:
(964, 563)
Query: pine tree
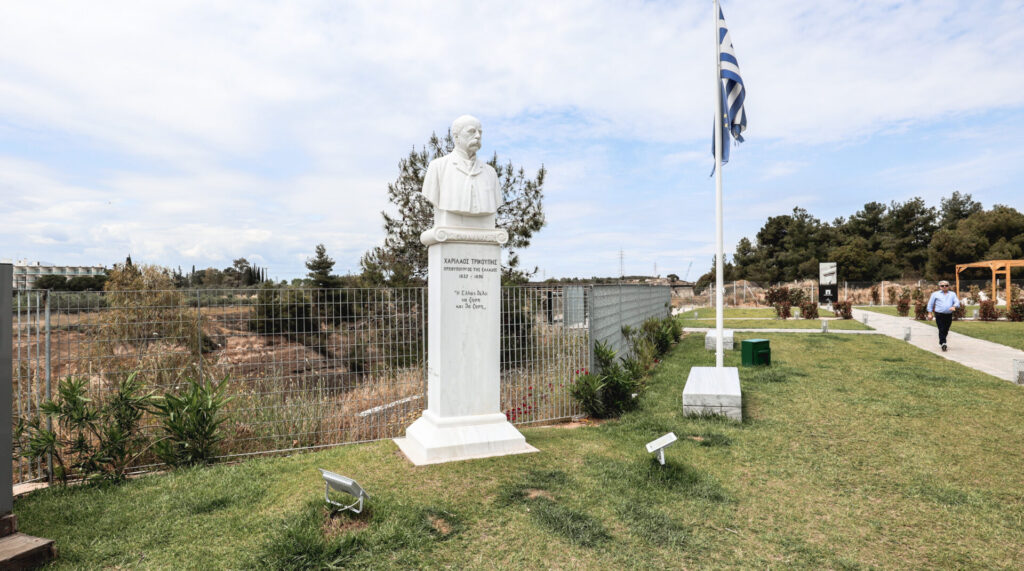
(402, 259)
(320, 267)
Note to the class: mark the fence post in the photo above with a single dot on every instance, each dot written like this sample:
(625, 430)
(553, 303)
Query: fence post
(6, 364)
(199, 334)
(423, 329)
(49, 368)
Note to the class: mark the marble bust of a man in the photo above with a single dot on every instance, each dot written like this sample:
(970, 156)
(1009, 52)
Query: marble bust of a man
(463, 189)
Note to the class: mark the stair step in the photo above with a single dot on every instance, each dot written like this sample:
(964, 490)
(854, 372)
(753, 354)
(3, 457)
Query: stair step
(20, 551)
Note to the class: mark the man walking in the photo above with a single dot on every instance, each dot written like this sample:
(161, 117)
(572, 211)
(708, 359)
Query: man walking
(941, 304)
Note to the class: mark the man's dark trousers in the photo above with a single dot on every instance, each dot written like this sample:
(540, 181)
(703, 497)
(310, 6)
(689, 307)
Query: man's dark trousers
(943, 321)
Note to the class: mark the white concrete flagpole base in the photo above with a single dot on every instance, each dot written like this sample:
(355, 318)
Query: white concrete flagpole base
(712, 391)
(463, 419)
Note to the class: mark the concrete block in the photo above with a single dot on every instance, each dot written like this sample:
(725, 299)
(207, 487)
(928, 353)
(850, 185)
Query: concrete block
(713, 390)
(710, 340)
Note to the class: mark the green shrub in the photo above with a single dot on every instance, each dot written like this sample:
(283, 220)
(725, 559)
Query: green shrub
(676, 327)
(1016, 310)
(608, 392)
(797, 296)
(809, 310)
(973, 295)
(659, 332)
(283, 311)
(776, 294)
(988, 311)
(917, 294)
(903, 304)
(587, 389)
(604, 356)
(94, 440)
(191, 423)
(843, 309)
(920, 310)
(893, 292)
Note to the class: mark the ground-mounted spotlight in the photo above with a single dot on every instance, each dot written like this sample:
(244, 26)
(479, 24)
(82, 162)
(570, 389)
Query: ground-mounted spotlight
(660, 444)
(349, 486)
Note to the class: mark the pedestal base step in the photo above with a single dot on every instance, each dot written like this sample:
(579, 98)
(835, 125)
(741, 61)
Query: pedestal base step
(20, 551)
(434, 440)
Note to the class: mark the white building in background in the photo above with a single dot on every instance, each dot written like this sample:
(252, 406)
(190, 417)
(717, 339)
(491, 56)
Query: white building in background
(26, 273)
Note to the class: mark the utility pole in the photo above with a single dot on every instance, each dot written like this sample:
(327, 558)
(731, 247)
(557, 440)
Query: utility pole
(622, 266)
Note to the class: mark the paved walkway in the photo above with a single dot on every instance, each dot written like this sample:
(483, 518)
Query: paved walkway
(985, 356)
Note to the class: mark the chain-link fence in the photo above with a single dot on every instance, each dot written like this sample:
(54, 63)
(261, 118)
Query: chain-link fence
(306, 368)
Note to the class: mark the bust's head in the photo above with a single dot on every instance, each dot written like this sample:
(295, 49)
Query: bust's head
(467, 131)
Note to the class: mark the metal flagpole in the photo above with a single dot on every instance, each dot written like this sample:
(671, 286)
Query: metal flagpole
(719, 262)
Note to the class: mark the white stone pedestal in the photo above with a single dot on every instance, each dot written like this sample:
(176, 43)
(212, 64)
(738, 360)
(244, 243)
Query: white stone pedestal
(713, 390)
(463, 419)
(711, 340)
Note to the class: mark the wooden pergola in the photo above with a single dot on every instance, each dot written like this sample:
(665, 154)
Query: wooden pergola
(998, 267)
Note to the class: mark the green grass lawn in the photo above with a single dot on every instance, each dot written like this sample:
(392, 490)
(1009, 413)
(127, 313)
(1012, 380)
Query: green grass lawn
(812, 324)
(762, 318)
(886, 309)
(855, 452)
(891, 309)
(740, 313)
(1008, 333)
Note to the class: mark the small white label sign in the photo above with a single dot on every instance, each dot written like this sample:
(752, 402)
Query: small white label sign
(661, 442)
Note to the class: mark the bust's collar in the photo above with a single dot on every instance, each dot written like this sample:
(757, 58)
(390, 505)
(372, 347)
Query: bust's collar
(465, 164)
(458, 152)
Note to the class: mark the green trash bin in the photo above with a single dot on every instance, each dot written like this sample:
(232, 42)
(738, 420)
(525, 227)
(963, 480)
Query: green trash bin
(756, 352)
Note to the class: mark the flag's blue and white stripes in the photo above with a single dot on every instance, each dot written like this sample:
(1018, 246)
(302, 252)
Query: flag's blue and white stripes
(736, 117)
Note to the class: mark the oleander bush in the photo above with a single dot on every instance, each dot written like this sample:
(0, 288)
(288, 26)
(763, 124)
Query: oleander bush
(191, 423)
(843, 309)
(783, 310)
(809, 310)
(93, 439)
(612, 389)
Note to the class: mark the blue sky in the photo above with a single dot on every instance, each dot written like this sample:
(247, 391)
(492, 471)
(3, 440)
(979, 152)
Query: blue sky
(196, 133)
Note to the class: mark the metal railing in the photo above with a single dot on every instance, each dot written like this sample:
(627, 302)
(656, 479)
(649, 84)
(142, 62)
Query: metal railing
(307, 368)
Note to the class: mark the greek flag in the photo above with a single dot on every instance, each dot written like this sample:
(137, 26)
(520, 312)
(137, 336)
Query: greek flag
(734, 118)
